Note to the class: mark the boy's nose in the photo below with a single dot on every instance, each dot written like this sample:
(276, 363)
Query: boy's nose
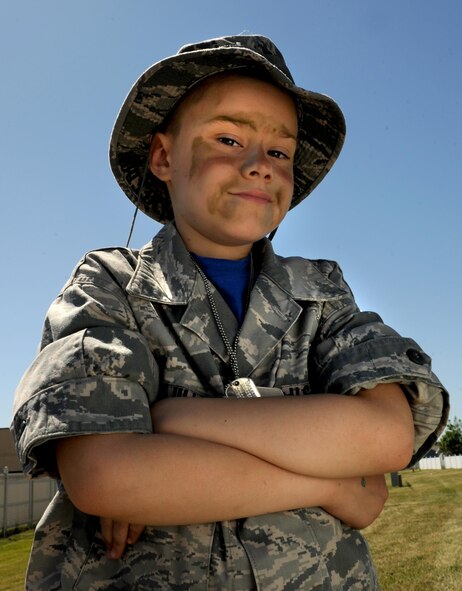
(257, 163)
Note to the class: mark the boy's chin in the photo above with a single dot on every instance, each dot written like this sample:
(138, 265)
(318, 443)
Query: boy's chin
(247, 232)
(245, 238)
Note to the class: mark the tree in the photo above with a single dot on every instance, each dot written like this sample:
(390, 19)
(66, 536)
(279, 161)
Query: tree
(450, 443)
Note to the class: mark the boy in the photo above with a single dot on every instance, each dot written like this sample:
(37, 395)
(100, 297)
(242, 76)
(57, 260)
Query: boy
(193, 386)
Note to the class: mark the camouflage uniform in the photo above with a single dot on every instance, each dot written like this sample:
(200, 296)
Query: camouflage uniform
(133, 326)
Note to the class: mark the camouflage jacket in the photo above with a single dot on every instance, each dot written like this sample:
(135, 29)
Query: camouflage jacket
(132, 326)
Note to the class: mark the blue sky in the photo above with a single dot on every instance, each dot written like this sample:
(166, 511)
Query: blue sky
(389, 212)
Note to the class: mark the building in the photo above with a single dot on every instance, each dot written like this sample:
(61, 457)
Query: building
(8, 455)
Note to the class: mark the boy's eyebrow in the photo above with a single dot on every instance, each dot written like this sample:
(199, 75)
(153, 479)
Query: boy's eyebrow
(243, 121)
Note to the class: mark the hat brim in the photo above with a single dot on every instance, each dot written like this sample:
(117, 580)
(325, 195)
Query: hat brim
(157, 91)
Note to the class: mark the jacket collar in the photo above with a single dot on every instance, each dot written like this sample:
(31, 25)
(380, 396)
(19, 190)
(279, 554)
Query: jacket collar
(166, 274)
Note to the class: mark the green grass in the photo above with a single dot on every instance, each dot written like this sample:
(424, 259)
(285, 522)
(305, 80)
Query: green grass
(416, 542)
(14, 554)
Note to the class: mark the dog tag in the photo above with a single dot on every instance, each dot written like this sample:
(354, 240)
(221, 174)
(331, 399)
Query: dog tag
(270, 392)
(242, 388)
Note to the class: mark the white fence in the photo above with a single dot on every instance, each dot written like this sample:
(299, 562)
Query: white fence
(22, 500)
(440, 463)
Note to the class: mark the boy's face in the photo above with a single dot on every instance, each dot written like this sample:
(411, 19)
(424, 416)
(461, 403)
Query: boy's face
(227, 161)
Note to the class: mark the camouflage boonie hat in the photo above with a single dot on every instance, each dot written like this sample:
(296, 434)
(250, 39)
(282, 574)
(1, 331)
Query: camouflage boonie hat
(157, 91)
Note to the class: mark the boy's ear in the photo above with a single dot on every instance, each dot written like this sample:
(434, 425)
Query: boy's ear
(159, 161)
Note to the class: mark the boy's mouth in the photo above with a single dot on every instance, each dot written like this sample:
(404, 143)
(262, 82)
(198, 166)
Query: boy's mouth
(255, 195)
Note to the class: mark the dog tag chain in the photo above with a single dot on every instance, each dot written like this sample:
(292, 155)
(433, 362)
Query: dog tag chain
(238, 387)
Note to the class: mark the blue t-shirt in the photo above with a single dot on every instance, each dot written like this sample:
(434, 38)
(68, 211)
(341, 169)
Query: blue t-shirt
(231, 278)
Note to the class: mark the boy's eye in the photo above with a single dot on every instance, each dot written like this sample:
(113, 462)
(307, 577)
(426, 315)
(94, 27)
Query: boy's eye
(278, 154)
(228, 141)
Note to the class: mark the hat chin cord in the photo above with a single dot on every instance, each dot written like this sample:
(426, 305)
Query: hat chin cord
(137, 204)
(272, 234)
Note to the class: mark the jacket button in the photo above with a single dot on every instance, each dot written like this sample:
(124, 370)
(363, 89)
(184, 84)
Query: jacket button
(415, 356)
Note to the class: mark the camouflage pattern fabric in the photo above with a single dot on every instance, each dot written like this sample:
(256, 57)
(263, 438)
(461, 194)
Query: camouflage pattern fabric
(131, 327)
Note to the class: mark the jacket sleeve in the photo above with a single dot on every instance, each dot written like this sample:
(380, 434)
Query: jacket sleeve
(94, 372)
(355, 350)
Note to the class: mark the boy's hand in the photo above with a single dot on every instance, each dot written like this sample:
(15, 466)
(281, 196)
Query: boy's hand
(358, 501)
(117, 534)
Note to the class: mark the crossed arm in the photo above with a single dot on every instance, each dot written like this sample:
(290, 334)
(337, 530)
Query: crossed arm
(319, 435)
(218, 459)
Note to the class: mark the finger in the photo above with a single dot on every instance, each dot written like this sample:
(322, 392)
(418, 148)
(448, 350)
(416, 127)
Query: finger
(134, 532)
(106, 531)
(119, 539)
